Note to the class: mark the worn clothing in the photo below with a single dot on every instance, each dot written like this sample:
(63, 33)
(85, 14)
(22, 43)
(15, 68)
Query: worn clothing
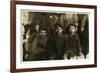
(37, 49)
(59, 46)
(33, 36)
(72, 45)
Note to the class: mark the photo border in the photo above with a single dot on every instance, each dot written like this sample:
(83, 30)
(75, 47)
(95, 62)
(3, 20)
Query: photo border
(13, 35)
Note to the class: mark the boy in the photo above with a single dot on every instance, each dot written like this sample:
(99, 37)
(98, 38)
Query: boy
(37, 49)
(72, 43)
(59, 42)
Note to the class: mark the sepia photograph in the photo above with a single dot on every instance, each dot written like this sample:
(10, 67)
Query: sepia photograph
(54, 36)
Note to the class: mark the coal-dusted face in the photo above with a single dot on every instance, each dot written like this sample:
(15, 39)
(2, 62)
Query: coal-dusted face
(43, 33)
(72, 29)
(59, 29)
(37, 27)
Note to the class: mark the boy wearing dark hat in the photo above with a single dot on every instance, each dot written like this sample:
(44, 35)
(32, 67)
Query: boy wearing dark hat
(72, 43)
(59, 42)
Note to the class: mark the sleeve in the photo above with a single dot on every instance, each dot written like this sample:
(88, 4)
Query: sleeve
(79, 44)
(66, 43)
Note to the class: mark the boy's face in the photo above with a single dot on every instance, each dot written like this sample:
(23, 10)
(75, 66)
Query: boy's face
(59, 30)
(43, 33)
(72, 29)
(37, 27)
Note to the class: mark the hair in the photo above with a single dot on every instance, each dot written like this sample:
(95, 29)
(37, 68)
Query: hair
(73, 25)
(58, 25)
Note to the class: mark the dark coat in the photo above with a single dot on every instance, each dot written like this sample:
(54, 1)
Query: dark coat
(37, 49)
(59, 46)
(72, 45)
(33, 36)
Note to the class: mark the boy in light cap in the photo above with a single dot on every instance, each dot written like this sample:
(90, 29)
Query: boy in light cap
(72, 43)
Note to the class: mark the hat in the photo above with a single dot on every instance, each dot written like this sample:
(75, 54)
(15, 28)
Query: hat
(58, 25)
(43, 28)
(73, 25)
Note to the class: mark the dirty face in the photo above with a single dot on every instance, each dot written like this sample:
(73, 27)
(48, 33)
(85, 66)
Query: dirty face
(59, 30)
(72, 29)
(43, 33)
(37, 27)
